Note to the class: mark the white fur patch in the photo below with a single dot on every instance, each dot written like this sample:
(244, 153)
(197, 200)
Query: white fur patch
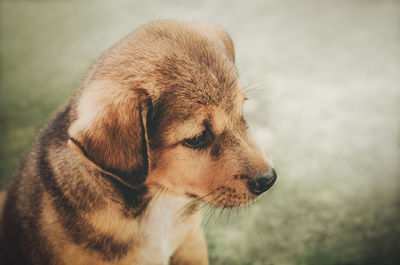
(163, 229)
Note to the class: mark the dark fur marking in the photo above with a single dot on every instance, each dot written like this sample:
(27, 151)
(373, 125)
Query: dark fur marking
(193, 207)
(80, 231)
(134, 200)
(216, 150)
(222, 142)
(58, 127)
(191, 195)
(22, 242)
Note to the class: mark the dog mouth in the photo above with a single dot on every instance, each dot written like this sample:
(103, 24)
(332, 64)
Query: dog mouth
(225, 197)
(229, 197)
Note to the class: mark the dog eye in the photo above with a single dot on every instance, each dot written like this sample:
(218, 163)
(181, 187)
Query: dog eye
(197, 142)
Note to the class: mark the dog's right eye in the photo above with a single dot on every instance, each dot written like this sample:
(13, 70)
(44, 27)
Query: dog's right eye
(197, 142)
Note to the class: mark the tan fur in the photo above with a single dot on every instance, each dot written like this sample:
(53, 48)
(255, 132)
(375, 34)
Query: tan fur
(115, 178)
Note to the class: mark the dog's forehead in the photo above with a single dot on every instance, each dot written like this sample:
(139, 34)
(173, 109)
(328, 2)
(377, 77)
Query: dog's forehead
(191, 63)
(222, 120)
(204, 76)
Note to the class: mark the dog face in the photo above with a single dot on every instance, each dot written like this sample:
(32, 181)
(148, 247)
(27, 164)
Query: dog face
(163, 107)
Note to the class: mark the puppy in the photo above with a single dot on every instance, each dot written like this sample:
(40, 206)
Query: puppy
(119, 175)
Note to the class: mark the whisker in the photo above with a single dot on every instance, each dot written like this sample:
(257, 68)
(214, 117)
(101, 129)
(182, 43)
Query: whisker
(212, 207)
(157, 194)
(230, 211)
(213, 200)
(165, 192)
(213, 211)
(223, 208)
(256, 83)
(154, 197)
(210, 215)
(195, 200)
(205, 204)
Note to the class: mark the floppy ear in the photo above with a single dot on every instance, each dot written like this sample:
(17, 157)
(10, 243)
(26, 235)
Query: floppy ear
(110, 130)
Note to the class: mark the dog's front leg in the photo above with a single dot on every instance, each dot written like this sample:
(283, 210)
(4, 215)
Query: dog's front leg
(193, 250)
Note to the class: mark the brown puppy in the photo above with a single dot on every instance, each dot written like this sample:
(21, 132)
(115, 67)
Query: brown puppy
(154, 131)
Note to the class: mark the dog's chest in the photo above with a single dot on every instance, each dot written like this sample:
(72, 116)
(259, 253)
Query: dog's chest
(164, 228)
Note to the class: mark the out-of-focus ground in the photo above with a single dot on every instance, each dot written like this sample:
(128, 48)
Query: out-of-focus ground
(323, 78)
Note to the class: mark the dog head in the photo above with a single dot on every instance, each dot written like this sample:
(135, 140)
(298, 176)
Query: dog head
(163, 107)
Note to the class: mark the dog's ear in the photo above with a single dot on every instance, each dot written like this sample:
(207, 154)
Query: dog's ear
(224, 37)
(219, 33)
(110, 130)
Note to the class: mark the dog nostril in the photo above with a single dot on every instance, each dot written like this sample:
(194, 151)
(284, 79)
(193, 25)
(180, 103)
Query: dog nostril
(262, 184)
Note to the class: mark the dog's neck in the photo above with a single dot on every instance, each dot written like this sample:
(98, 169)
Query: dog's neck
(160, 229)
(164, 226)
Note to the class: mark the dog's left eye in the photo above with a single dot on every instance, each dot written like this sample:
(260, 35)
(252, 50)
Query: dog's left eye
(197, 142)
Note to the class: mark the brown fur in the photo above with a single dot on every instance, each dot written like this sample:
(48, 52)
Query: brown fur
(112, 179)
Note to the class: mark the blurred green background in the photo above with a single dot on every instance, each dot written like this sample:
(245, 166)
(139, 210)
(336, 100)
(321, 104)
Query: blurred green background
(323, 78)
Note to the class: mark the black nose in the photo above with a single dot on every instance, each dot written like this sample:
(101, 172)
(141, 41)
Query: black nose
(262, 184)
